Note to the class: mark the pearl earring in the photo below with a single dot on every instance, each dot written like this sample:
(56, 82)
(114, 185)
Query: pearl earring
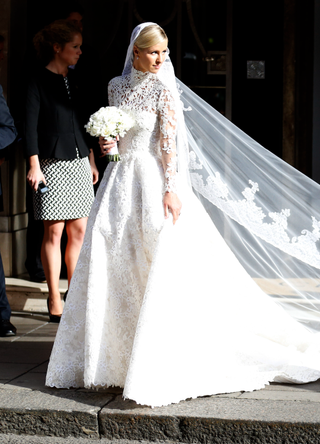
(137, 58)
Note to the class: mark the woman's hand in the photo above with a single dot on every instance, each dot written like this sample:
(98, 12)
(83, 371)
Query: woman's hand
(106, 146)
(94, 169)
(95, 174)
(35, 174)
(172, 203)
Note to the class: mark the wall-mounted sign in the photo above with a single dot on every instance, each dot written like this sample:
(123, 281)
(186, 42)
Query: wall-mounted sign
(255, 69)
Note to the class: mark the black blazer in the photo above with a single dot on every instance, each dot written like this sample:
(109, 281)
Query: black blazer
(54, 123)
(8, 132)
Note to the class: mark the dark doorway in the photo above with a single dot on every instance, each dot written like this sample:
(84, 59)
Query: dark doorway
(211, 43)
(257, 101)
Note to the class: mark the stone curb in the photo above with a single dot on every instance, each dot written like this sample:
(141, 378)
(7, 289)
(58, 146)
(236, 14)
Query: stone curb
(52, 412)
(48, 423)
(201, 430)
(214, 420)
(218, 420)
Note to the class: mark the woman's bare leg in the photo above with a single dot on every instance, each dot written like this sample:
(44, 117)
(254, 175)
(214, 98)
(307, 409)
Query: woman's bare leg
(51, 261)
(76, 229)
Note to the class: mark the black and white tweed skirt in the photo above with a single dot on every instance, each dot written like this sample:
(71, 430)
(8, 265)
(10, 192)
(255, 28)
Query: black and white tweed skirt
(70, 194)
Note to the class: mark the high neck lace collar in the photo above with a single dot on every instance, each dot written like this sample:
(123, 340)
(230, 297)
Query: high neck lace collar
(139, 76)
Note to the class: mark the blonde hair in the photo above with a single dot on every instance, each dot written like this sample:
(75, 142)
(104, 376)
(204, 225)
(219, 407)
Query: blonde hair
(150, 35)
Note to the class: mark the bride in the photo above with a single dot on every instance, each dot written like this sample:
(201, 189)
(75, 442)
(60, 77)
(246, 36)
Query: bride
(161, 303)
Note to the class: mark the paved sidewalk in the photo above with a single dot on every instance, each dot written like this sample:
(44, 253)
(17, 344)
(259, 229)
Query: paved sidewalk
(279, 413)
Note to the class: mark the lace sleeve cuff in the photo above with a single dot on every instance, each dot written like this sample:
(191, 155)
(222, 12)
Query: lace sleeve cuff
(170, 175)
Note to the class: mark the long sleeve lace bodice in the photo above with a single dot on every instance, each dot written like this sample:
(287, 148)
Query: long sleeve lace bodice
(154, 131)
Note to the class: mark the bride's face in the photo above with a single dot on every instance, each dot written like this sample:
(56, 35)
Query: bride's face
(150, 59)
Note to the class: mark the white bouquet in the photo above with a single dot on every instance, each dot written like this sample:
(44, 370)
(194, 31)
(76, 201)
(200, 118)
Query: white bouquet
(109, 122)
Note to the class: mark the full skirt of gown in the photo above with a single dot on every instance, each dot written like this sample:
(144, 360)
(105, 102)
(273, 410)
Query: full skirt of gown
(167, 311)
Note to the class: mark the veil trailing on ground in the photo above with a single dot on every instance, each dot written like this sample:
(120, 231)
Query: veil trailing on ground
(266, 211)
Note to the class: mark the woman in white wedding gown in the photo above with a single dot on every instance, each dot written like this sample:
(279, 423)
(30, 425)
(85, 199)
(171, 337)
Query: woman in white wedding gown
(158, 303)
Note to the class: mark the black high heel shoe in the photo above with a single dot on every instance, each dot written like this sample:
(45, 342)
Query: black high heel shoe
(53, 318)
(65, 296)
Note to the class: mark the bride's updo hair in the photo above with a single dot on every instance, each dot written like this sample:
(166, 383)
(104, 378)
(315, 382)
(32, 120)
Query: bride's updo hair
(149, 36)
(60, 32)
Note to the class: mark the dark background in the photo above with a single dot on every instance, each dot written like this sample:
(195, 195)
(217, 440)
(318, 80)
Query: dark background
(257, 33)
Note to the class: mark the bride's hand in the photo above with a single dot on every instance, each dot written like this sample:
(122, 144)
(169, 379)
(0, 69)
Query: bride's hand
(106, 146)
(172, 203)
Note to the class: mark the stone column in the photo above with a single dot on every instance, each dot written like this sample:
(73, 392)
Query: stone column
(13, 220)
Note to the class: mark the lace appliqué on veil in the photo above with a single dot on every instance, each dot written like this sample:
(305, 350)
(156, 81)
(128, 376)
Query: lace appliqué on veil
(248, 214)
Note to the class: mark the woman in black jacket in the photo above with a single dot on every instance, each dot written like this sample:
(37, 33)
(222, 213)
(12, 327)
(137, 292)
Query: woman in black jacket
(58, 152)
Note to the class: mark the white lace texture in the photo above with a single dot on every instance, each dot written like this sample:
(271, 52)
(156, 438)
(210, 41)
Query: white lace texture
(152, 103)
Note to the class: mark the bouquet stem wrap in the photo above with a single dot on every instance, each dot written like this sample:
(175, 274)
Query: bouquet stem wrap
(113, 155)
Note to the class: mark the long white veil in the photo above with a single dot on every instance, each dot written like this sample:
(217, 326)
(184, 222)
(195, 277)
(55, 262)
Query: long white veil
(267, 211)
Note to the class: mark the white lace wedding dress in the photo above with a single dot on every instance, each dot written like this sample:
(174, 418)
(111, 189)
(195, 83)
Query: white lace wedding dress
(166, 311)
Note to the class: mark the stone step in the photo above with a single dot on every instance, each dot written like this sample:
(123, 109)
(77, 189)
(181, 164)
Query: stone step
(26, 296)
(215, 419)
(218, 419)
